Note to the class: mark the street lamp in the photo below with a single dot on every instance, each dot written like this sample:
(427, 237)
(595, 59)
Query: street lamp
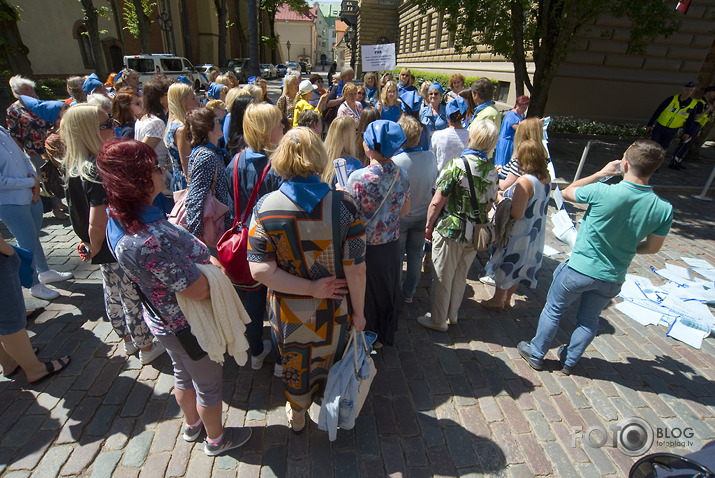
(288, 46)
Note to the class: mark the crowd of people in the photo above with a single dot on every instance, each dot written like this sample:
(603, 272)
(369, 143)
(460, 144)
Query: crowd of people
(403, 172)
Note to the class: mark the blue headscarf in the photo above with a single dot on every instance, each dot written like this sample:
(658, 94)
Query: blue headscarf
(91, 83)
(436, 86)
(457, 104)
(385, 137)
(46, 110)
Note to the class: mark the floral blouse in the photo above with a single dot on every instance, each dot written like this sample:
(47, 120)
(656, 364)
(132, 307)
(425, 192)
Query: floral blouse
(27, 128)
(369, 186)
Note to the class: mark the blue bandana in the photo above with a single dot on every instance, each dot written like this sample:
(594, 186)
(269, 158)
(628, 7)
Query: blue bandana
(385, 137)
(47, 110)
(91, 83)
(184, 80)
(411, 101)
(436, 86)
(147, 214)
(305, 192)
(457, 104)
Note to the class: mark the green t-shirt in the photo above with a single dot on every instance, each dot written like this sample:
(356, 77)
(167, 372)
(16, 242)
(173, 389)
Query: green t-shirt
(618, 218)
(458, 216)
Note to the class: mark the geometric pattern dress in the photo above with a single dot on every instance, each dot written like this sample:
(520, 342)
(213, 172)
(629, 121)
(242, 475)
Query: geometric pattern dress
(311, 333)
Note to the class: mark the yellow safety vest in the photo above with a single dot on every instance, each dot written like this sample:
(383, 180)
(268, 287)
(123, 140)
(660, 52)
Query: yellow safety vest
(674, 117)
(706, 117)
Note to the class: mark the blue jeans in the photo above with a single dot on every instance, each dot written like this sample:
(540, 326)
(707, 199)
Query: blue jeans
(25, 223)
(255, 304)
(412, 240)
(569, 285)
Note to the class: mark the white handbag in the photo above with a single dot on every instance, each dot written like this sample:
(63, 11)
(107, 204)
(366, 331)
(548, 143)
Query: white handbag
(364, 385)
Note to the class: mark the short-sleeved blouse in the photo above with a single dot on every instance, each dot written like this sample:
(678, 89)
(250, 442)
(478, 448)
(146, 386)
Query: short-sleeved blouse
(354, 113)
(391, 113)
(369, 186)
(162, 260)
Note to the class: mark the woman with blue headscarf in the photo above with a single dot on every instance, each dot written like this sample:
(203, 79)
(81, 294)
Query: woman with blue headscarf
(382, 193)
(434, 115)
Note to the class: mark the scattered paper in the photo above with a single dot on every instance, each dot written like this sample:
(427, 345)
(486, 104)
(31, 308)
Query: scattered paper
(564, 229)
(700, 292)
(636, 287)
(640, 314)
(558, 198)
(691, 309)
(688, 331)
(707, 273)
(675, 275)
(550, 251)
(699, 263)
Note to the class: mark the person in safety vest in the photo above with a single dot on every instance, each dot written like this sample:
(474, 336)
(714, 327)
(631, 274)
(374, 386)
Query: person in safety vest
(703, 114)
(673, 113)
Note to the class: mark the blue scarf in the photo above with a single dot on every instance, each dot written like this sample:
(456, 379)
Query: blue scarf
(252, 156)
(220, 151)
(305, 192)
(480, 108)
(147, 214)
(481, 154)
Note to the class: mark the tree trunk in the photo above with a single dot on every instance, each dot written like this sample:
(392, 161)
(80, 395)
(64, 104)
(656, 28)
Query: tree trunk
(517, 25)
(272, 27)
(186, 31)
(221, 16)
(14, 52)
(239, 30)
(100, 65)
(143, 24)
(253, 40)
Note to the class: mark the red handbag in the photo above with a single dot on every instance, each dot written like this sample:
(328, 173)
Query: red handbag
(233, 245)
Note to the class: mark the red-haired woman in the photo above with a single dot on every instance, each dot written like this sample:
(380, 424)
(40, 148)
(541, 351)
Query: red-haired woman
(161, 259)
(126, 110)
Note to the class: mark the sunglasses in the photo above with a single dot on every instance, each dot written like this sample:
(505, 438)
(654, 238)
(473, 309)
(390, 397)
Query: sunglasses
(648, 466)
(109, 124)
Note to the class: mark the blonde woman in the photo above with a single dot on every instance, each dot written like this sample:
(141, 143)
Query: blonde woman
(286, 102)
(310, 308)
(340, 143)
(262, 131)
(372, 89)
(351, 106)
(84, 129)
(390, 105)
(182, 99)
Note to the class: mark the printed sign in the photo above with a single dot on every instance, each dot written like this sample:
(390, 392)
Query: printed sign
(378, 57)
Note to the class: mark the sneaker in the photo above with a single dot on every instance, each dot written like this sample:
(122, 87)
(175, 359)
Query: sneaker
(486, 280)
(233, 437)
(452, 321)
(130, 348)
(41, 291)
(191, 434)
(426, 321)
(257, 361)
(51, 276)
(156, 350)
(278, 370)
(524, 349)
(408, 300)
(563, 350)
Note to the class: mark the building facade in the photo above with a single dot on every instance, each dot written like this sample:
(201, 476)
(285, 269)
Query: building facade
(298, 28)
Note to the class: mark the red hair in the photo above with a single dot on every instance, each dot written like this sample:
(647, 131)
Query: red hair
(523, 101)
(126, 167)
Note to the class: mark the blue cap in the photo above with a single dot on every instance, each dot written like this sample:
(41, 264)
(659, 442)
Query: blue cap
(457, 104)
(252, 80)
(215, 90)
(184, 80)
(438, 87)
(91, 83)
(47, 110)
(411, 101)
(385, 137)
(119, 75)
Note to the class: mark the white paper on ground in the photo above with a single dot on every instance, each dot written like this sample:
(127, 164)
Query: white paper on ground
(691, 309)
(563, 229)
(558, 198)
(699, 292)
(637, 287)
(688, 331)
(707, 273)
(640, 314)
(699, 263)
(675, 276)
(550, 251)
(682, 272)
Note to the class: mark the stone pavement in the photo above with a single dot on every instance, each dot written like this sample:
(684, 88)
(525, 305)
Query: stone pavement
(456, 403)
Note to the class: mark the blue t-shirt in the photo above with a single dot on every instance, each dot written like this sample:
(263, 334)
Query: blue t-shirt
(618, 218)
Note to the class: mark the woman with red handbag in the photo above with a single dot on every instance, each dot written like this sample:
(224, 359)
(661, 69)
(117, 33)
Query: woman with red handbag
(262, 131)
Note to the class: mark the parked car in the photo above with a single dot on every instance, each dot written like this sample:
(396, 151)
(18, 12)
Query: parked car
(282, 70)
(240, 67)
(268, 70)
(170, 65)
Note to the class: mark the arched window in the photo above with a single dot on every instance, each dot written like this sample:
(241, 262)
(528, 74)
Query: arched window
(85, 47)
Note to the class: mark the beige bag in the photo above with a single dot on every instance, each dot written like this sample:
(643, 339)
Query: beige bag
(483, 236)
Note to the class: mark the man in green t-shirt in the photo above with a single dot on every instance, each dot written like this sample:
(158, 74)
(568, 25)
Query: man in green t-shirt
(622, 220)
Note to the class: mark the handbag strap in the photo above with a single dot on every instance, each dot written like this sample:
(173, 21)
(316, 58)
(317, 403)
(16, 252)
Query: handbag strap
(397, 174)
(254, 194)
(354, 340)
(472, 194)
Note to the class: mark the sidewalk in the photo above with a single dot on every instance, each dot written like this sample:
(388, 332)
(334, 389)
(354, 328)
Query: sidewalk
(447, 404)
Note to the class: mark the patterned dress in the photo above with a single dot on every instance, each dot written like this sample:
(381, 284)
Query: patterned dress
(178, 181)
(520, 260)
(311, 333)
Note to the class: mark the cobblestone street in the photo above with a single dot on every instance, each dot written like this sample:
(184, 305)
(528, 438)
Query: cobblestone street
(449, 404)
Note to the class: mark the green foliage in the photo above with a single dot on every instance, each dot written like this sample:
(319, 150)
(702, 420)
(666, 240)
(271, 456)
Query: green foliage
(130, 16)
(44, 92)
(568, 124)
(8, 12)
(270, 42)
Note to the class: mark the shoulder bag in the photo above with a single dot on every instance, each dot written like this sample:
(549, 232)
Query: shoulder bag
(233, 246)
(483, 233)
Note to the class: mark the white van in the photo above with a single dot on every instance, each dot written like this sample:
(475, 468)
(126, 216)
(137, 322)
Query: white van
(170, 65)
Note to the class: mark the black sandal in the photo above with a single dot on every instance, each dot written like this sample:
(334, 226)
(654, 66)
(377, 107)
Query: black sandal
(51, 370)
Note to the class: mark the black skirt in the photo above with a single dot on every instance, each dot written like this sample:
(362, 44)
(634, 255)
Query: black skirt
(383, 298)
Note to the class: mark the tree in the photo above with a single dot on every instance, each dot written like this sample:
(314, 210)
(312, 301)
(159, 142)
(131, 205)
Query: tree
(239, 28)
(546, 29)
(92, 23)
(13, 52)
(186, 29)
(221, 11)
(253, 46)
(136, 17)
(270, 7)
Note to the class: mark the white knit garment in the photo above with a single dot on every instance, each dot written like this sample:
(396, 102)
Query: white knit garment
(218, 322)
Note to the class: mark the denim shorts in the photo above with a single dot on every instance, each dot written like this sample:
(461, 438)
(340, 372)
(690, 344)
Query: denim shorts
(13, 317)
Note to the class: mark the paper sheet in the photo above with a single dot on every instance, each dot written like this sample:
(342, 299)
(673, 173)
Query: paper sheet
(550, 251)
(558, 198)
(637, 287)
(699, 263)
(699, 292)
(707, 273)
(640, 314)
(675, 275)
(563, 229)
(692, 309)
(688, 332)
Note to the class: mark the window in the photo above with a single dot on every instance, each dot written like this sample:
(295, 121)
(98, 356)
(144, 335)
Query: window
(141, 65)
(85, 47)
(171, 64)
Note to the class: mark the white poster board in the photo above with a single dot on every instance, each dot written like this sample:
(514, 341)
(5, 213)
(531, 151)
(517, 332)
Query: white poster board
(378, 57)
